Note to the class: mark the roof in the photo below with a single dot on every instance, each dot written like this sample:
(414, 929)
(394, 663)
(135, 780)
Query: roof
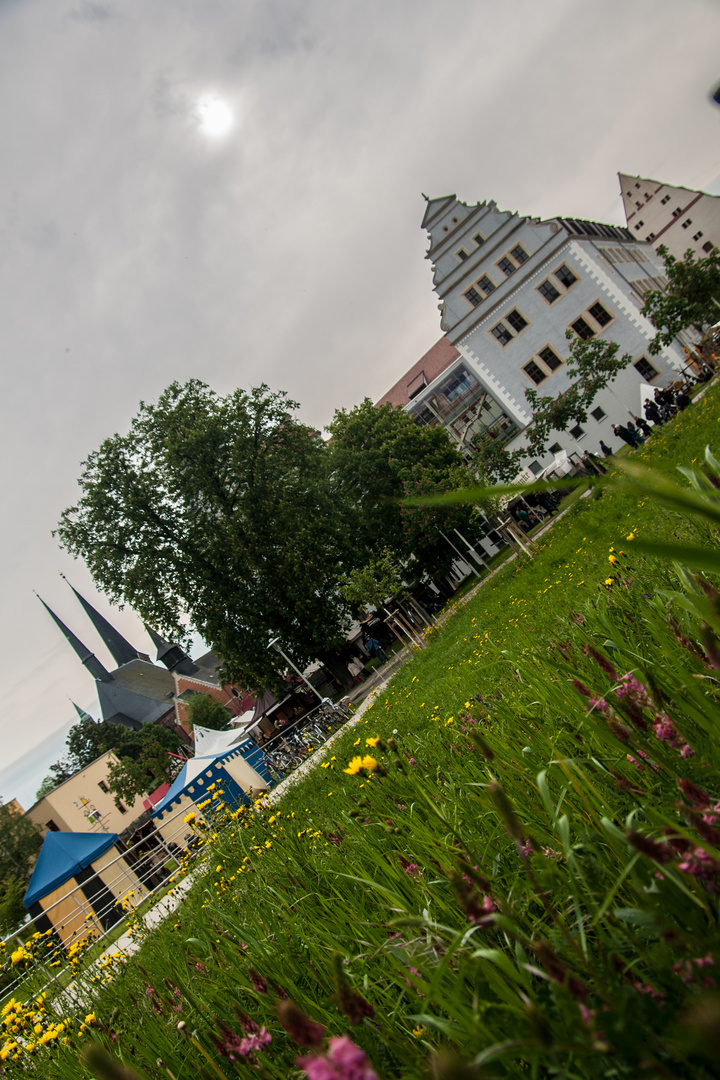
(139, 690)
(421, 374)
(61, 857)
(195, 767)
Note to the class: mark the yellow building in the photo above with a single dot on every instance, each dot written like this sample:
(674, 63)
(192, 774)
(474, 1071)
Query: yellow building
(84, 803)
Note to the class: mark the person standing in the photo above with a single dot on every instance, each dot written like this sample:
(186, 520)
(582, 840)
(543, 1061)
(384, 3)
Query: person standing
(621, 432)
(643, 426)
(607, 452)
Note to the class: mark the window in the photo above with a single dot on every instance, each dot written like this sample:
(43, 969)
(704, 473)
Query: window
(677, 211)
(555, 448)
(601, 316)
(52, 826)
(507, 267)
(707, 246)
(502, 333)
(534, 372)
(583, 330)
(535, 468)
(454, 221)
(645, 369)
(462, 255)
(103, 786)
(697, 235)
(639, 226)
(651, 236)
(549, 358)
(548, 291)
(665, 199)
(577, 432)
(517, 321)
(473, 296)
(686, 223)
(122, 807)
(565, 276)
(637, 185)
(486, 284)
(519, 254)
(479, 239)
(598, 414)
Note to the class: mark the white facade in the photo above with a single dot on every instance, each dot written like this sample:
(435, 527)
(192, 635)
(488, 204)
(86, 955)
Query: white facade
(510, 287)
(677, 217)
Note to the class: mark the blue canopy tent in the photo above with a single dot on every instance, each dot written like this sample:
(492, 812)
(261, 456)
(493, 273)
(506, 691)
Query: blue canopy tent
(221, 769)
(61, 857)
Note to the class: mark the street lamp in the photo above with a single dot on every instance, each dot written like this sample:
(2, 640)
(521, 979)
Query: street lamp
(275, 644)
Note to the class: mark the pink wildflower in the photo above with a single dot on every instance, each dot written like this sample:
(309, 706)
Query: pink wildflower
(343, 1061)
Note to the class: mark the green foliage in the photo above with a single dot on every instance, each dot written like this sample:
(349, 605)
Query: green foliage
(373, 583)
(373, 452)
(19, 843)
(88, 740)
(48, 784)
(219, 508)
(425, 524)
(206, 711)
(12, 908)
(153, 765)
(691, 299)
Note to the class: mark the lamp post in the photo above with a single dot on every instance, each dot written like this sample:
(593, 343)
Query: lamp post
(275, 644)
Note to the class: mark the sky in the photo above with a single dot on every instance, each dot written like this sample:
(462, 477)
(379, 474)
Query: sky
(137, 249)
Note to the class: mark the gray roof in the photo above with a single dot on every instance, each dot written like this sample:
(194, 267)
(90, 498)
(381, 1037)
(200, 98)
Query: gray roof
(139, 690)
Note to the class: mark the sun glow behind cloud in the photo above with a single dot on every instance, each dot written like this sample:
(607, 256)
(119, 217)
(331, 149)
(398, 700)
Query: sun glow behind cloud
(215, 116)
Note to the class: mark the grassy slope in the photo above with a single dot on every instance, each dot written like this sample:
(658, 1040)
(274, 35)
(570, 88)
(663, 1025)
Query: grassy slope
(285, 890)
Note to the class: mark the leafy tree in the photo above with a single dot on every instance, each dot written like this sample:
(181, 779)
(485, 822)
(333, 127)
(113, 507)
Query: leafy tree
(206, 711)
(373, 452)
(19, 843)
(374, 582)
(219, 509)
(12, 908)
(592, 365)
(425, 524)
(131, 777)
(692, 296)
(49, 784)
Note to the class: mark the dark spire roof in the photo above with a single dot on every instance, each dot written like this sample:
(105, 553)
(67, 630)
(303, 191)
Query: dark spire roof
(89, 659)
(171, 655)
(160, 643)
(81, 712)
(121, 650)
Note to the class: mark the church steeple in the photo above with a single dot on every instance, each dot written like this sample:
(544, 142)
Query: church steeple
(172, 656)
(121, 650)
(81, 712)
(89, 659)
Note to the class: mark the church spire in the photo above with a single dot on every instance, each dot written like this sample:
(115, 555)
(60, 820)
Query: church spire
(91, 662)
(81, 712)
(121, 650)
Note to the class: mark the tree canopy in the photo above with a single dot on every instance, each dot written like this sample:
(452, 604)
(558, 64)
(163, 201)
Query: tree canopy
(374, 452)
(691, 299)
(218, 510)
(206, 711)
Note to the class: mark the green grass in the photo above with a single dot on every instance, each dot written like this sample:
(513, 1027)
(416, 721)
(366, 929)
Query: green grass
(483, 893)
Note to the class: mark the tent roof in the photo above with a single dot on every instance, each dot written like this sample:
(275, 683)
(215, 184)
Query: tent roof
(208, 741)
(193, 768)
(62, 855)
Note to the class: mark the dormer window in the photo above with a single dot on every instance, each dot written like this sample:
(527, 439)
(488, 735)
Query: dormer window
(479, 239)
(462, 255)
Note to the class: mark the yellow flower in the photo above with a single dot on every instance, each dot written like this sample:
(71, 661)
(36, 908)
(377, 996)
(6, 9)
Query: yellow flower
(369, 763)
(190, 818)
(355, 766)
(612, 559)
(630, 536)
(373, 742)
(608, 581)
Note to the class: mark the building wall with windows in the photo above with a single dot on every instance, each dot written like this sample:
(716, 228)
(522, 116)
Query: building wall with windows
(677, 217)
(84, 803)
(511, 287)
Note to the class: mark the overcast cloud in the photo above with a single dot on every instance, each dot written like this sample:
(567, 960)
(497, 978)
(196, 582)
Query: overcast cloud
(135, 251)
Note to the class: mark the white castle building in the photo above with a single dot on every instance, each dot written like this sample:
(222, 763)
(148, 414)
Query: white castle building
(510, 287)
